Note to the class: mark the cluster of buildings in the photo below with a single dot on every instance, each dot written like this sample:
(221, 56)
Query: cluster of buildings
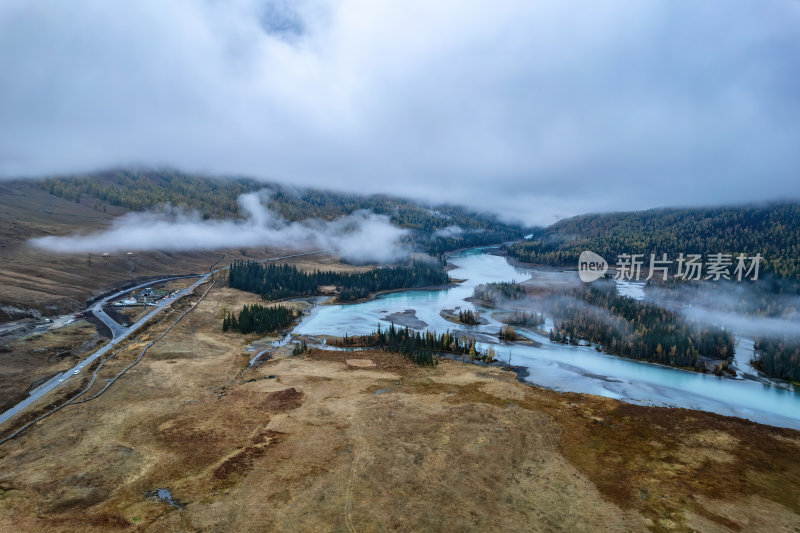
(146, 296)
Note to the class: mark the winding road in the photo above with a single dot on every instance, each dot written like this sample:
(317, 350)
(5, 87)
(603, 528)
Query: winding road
(120, 332)
(117, 329)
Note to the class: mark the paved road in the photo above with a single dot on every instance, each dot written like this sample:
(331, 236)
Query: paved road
(120, 333)
(117, 329)
(59, 379)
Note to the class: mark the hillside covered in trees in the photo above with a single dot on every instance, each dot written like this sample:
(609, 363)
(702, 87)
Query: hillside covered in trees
(635, 329)
(771, 230)
(274, 282)
(434, 229)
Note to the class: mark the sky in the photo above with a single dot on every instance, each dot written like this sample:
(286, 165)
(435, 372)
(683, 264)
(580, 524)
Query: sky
(534, 110)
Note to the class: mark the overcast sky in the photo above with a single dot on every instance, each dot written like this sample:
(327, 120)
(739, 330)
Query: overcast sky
(533, 109)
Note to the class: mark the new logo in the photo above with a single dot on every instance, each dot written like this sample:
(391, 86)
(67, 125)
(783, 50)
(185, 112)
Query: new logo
(591, 266)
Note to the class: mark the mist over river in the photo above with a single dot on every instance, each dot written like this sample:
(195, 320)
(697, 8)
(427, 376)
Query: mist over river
(561, 367)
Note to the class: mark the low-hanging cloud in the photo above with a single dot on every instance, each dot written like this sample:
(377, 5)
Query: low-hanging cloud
(361, 236)
(449, 231)
(742, 307)
(748, 326)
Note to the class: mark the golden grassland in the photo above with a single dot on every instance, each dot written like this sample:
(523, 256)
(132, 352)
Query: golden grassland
(29, 361)
(366, 441)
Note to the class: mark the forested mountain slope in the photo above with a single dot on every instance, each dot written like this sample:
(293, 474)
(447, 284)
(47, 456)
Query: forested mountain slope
(214, 197)
(772, 230)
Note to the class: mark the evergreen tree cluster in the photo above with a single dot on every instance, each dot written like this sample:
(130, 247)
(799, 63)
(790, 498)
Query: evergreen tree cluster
(419, 347)
(773, 231)
(469, 317)
(778, 357)
(525, 318)
(496, 293)
(274, 282)
(257, 318)
(639, 330)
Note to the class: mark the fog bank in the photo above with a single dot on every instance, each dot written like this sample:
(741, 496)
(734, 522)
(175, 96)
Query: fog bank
(361, 236)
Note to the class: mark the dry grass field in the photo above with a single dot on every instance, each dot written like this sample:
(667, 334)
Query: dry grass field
(29, 361)
(342, 441)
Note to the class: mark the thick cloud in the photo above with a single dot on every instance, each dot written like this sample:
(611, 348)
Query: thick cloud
(361, 236)
(533, 109)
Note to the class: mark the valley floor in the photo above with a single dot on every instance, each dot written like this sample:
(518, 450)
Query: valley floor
(366, 441)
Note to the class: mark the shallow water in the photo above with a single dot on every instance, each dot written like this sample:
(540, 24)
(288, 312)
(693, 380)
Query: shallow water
(164, 495)
(568, 368)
